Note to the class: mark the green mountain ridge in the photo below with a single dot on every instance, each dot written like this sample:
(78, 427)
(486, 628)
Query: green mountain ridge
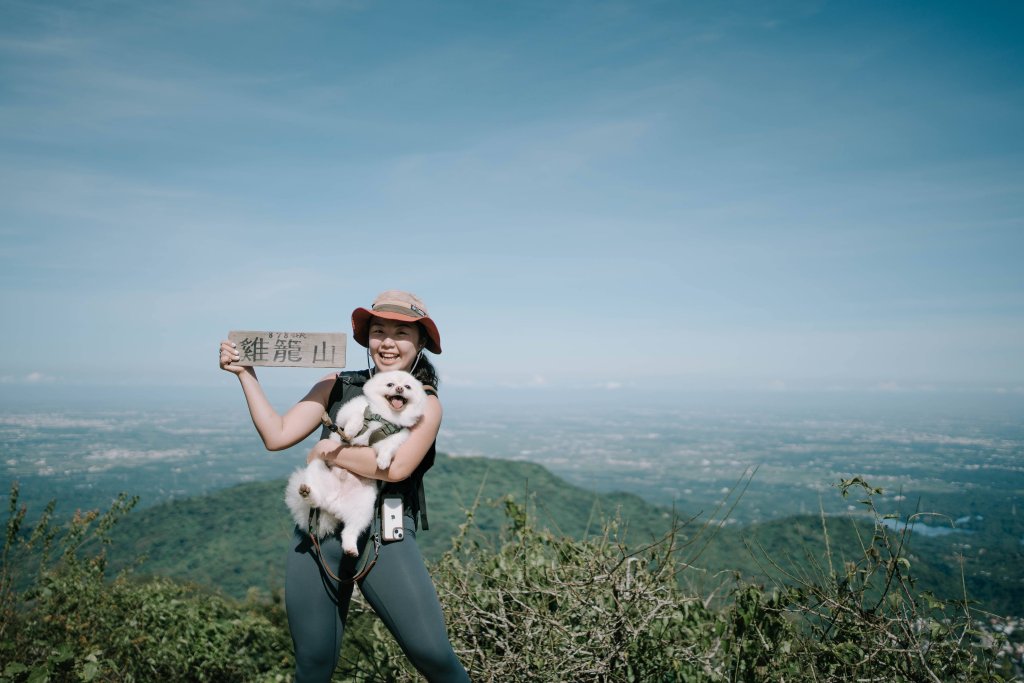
(235, 540)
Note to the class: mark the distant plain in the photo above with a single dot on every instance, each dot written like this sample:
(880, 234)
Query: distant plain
(930, 452)
(959, 456)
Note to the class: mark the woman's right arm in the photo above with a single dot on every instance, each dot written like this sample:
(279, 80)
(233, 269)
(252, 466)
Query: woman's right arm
(277, 431)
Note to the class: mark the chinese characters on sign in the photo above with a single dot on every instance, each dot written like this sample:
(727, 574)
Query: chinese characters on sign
(290, 349)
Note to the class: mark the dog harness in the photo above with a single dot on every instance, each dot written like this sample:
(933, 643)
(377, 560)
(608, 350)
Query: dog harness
(386, 428)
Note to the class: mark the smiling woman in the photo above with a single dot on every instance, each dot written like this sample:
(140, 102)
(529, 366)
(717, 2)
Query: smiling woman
(395, 331)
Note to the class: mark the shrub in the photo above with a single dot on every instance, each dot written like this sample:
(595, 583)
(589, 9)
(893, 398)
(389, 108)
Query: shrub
(545, 607)
(71, 624)
(537, 606)
(532, 606)
(863, 619)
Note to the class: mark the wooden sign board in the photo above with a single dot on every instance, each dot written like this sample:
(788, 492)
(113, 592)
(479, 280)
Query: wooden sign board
(290, 349)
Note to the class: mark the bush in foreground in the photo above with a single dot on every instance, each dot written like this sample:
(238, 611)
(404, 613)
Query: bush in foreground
(533, 606)
(62, 621)
(542, 607)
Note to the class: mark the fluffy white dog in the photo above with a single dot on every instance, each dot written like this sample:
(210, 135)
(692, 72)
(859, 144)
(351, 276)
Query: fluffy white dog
(391, 403)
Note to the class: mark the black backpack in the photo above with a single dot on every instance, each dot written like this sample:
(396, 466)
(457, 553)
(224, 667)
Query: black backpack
(349, 384)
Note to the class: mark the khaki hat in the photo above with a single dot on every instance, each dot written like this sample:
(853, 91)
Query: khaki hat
(395, 304)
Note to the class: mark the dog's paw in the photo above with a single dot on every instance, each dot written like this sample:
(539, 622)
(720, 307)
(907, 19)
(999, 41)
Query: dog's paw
(304, 490)
(385, 453)
(352, 427)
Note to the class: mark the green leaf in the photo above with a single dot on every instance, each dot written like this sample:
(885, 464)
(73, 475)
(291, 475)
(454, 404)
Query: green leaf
(90, 670)
(14, 668)
(91, 667)
(41, 675)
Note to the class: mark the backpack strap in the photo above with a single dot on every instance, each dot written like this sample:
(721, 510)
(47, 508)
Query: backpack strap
(428, 462)
(423, 504)
(347, 385)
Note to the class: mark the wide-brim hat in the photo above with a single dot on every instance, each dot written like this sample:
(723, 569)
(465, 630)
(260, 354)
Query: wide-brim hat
(395, 305)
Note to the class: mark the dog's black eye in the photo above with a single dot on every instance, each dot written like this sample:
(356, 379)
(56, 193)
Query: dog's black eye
(390, 384)
(408, 387)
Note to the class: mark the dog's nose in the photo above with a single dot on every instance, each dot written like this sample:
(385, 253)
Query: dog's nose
(399, 389)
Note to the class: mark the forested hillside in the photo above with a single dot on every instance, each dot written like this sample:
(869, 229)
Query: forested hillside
(234, 540)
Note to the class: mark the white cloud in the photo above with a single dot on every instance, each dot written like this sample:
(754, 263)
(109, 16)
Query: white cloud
(457, 380)
(29, 378)
(534, 381)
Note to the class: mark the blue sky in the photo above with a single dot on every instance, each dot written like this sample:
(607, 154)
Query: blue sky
(755, 195)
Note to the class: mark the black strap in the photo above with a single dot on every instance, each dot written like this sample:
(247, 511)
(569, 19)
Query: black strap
(428, 462)
(423, 506)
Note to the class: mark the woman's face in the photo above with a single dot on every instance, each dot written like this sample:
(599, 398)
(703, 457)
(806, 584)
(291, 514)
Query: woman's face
(393, 344)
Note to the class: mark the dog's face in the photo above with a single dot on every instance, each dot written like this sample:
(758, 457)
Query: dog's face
(397, 396)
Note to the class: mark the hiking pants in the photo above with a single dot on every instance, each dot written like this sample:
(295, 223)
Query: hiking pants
(399, 590)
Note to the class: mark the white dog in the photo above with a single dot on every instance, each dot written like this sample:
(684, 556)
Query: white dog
(391, 403)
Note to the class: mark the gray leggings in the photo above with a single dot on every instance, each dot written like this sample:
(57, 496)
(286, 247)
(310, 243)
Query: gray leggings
(399, 590)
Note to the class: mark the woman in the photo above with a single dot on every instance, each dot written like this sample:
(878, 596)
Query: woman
(395, 332)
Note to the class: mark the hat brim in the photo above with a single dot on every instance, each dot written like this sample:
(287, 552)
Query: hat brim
(361, 326)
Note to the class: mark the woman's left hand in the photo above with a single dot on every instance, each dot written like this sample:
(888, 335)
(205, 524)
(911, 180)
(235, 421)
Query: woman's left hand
(325, 450)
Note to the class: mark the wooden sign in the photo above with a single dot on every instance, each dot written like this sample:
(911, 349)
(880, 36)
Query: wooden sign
(290, 349)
